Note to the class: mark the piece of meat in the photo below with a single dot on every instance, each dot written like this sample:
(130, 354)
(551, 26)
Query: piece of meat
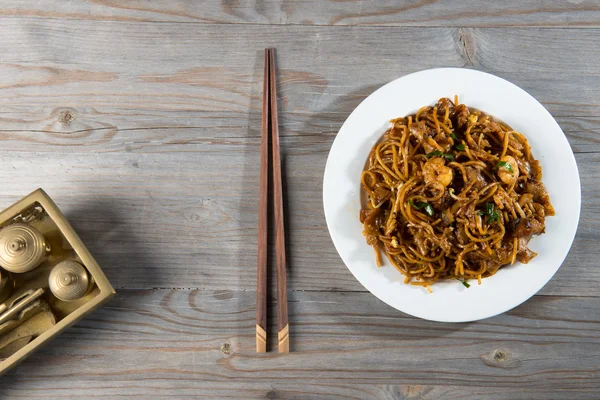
(501, 198)
(462, 115)
(524, 166)
(479, 255)
(369, 218)
(522, 228)
(447, 241)
(524, 255)
(447, 217)
(515, 144)
(537, 226)
(538, 190)
(422, 243)
(443, 104)
(367, 215)
(443, 202)
(467, 210)
(536, 170)
(420, 132)
(380, 193)
(417, 130)
(474, 174)
(445, 144)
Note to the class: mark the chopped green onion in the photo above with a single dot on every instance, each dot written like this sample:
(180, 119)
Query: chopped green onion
(453, 136)
(434, 153)
(422, 205)
(437, 153)
(506, 166)
(460, 147)
(490, 212)
(493, 218)
(464, 282)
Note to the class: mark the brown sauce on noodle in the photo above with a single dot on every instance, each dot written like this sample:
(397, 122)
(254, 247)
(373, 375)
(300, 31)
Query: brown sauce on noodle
(452, 193)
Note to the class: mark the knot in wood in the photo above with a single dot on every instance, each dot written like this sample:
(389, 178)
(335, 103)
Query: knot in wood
(499, 355)
(226, 349)
(271, 394)
(66, 117)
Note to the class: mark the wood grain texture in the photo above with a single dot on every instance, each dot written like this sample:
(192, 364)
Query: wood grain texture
(154, 154)
(140, 213)
(142, 120)
(201, 343)
(66, 95)
(424, 13)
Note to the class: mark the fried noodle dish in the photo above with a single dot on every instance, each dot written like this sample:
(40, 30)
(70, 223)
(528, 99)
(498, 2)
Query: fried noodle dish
(451, 193)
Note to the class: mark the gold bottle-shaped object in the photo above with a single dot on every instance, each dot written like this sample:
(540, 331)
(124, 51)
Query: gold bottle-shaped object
(22, 248)
(69, 281)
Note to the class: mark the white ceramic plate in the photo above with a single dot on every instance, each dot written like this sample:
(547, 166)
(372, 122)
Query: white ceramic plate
(450, 300)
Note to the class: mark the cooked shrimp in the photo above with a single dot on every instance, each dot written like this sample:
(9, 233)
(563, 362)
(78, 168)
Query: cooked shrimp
(508, 170)
(436, 170)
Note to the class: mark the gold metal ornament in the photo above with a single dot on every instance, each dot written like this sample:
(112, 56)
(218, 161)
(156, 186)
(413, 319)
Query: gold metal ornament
(22, 248)
(31, 316)
(69, 281)
(6, 286)
(21, 335)
(21, 309)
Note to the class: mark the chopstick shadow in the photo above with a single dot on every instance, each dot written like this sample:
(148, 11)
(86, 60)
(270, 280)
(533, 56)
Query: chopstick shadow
(250, 190)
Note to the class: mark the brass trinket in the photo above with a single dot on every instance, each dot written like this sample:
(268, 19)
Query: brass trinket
(19, 337)
(22, 248)
(18, 307)
(35, 240)
(69, 281)
(6, 286)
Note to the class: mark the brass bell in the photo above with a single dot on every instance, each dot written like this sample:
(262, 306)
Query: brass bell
(69, 281)
(22, 248)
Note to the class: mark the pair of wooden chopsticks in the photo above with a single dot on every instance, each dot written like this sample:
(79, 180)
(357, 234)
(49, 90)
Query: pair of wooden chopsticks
(270, 124)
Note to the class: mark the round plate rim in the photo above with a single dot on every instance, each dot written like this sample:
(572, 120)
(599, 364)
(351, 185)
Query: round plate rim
(575, 209)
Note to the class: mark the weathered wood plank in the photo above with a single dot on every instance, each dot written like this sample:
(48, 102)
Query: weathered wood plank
(314, 12)
(192, 389)
(150, 145)
(89, 131)
(189, 219)
(187, 343)
(141, 120)
(66, 94)
(161, 72)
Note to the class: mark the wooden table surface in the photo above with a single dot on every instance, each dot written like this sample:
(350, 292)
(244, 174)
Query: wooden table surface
(142, 120)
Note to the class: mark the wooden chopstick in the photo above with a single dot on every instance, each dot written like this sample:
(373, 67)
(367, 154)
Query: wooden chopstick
(270, 122)
(263, 204)
(280, 259)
